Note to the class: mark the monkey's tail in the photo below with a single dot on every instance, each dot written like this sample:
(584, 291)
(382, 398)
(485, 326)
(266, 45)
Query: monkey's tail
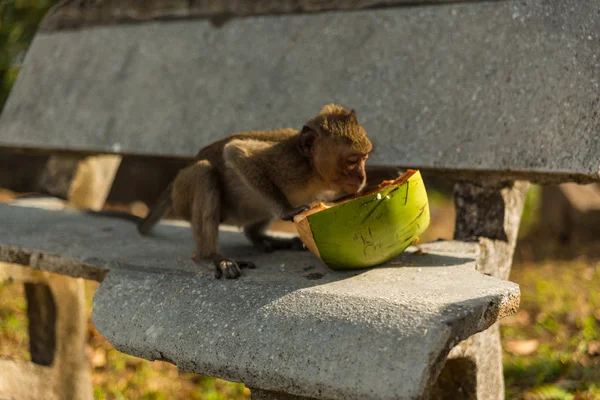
(159, 210)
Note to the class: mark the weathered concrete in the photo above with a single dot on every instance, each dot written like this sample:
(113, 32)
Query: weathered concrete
(58, 333)
(25, 381)
(491, 86)
(93, 180)
(490, 213)
(57, 175)
(291, 325)
(84, 181)
(257, 394)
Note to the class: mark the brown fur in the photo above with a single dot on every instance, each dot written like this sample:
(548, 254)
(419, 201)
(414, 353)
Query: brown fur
(341, 123)
(249, 179)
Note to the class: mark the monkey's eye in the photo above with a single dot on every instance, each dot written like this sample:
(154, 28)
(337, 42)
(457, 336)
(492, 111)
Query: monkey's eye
(352, 160)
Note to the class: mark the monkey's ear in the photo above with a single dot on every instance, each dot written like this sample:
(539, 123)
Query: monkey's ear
(353, 115)
(307, 139)
(333, 109)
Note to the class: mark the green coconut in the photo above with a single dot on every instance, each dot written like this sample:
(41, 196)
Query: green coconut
(370, 229)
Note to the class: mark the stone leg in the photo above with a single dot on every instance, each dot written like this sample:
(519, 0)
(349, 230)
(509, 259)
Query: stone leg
(85, 182)
(473, 370)
(570, 213)
(488, 213)
(57, 330)
(55, 303)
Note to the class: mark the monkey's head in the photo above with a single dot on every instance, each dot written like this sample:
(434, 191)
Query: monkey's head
(338, 147)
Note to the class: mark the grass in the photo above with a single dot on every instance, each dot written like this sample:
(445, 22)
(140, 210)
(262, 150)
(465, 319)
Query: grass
(560, 309)
(13, 322)
(552, 346)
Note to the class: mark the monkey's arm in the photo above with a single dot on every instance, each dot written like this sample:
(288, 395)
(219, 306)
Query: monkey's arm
(245, 158)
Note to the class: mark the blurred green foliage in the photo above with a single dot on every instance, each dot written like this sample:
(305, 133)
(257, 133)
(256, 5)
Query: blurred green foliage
(531, 210)
(19, 20)
(561, 302)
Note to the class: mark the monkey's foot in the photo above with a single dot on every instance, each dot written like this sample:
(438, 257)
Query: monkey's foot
(269, 244)
(289, 215)
(230, 269)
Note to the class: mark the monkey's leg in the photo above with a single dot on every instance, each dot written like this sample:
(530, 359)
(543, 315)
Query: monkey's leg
(205, 217)
(256, 234)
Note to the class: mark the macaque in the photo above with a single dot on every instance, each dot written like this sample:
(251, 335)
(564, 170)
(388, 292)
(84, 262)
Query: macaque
(250, 179)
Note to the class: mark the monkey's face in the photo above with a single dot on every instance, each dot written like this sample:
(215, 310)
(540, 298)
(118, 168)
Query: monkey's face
(351, 167)
(339, 148)
(342, 166)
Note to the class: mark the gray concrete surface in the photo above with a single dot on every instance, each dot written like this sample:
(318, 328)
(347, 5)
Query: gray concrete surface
(493, 86)
(291, 325)
(257, 394)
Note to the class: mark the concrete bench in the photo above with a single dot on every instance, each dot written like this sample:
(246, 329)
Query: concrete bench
(492, 94)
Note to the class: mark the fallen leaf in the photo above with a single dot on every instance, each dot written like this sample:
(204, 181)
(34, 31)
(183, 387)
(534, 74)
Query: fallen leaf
(567, 384)
(593, 348)
(522, 317)
(98, 358)
(588, 274)
(521, 347)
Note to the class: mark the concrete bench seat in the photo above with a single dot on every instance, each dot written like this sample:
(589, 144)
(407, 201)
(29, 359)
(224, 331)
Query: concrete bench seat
(291, 325)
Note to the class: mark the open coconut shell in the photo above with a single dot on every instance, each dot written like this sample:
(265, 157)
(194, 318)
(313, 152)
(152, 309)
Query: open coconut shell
(369, 229)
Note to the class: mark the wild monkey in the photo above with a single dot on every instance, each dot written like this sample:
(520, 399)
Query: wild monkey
(249, 179)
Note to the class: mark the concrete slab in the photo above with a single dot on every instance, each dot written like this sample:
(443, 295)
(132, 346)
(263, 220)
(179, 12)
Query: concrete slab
(479, 86)
(291, 325)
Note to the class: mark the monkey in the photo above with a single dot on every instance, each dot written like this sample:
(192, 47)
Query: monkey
(249, 179)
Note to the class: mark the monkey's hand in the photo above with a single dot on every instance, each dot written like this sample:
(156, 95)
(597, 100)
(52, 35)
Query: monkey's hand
(290, 214)
(230, 269)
